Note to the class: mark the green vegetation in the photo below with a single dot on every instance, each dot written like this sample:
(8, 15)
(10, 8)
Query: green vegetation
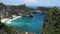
(6, 28)
(52, 21)
(2, 5)
(19, 7)
(43, 8)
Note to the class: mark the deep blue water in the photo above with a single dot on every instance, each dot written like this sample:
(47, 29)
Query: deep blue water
(29, 24)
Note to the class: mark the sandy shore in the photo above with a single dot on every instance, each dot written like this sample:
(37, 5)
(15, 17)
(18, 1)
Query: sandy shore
(4, 20)
(9, 20)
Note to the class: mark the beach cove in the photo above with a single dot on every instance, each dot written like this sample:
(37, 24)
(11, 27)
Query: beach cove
(28, 24)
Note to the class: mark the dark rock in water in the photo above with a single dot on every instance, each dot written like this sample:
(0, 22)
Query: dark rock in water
(27, 16)
(30, 16)
(23, 16)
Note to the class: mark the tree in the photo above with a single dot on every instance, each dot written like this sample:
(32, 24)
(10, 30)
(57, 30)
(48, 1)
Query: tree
(52, 21)
(2, 5)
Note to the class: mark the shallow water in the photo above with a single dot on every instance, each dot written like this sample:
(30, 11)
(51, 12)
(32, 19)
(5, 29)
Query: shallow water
(29, 24)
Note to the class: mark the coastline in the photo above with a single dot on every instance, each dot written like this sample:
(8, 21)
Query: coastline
(7, 20)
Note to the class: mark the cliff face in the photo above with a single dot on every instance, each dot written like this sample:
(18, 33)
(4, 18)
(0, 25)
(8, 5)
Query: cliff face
(8, 11)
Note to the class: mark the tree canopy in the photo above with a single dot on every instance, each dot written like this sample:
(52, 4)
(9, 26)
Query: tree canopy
(2, 5)
(52, 21)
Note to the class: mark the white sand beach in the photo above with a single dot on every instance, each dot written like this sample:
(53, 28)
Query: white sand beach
(4, 20)
(7, 20)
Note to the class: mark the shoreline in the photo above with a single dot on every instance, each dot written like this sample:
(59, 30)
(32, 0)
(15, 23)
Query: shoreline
(7, 20)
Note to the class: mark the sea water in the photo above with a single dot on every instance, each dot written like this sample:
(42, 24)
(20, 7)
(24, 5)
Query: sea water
(28, 24)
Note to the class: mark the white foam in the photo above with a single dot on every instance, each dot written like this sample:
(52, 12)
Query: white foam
(9, 21)
(17, 17)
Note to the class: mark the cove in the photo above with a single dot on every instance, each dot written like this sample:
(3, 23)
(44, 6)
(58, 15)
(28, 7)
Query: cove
(28, 24)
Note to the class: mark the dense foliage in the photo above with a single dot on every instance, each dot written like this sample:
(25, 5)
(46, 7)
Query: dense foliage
(7, 29)
(2, 5)
(43, 8)
(23, 7)
(52, 21)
